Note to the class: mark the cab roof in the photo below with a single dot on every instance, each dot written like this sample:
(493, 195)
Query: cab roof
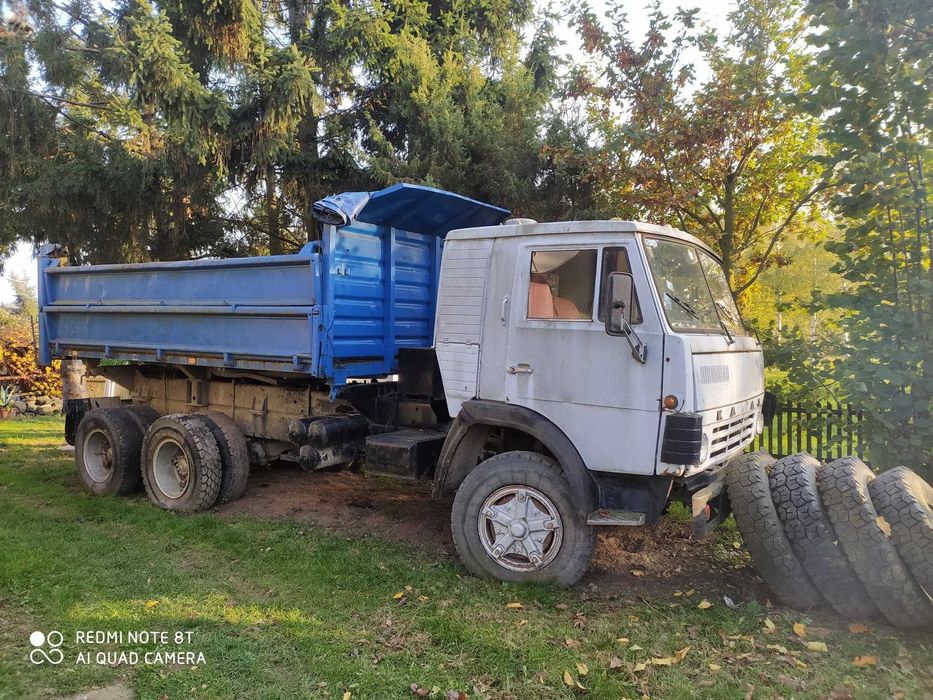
(576, 228)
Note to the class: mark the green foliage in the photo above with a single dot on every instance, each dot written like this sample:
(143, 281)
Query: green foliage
(872, 85)
(185, 128)
(727, 158)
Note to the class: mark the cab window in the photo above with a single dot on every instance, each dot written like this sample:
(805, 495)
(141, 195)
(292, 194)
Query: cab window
(615, 260)
(562, 284)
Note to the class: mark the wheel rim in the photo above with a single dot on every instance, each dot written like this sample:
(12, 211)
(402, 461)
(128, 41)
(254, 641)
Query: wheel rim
(170, 468)
(98, 456)
(520, 528)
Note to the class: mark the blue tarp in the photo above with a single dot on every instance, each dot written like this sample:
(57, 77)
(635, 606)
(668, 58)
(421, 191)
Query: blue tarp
(408, 207)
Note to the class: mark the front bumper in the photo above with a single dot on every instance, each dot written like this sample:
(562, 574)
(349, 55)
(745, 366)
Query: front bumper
(710, 506)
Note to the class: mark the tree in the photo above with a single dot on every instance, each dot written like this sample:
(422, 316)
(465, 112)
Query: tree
(872, 85)
(727, 158)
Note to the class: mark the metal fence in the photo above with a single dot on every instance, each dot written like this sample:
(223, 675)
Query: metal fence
(825, 430)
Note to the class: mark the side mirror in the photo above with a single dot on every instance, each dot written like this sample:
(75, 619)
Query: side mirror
(620, 302)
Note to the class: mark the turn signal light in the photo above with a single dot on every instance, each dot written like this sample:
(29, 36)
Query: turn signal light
(671, 402)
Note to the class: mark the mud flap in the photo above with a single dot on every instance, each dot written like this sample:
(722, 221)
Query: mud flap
(710, 506)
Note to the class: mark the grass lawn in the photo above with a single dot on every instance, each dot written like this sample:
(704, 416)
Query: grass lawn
(285, 609)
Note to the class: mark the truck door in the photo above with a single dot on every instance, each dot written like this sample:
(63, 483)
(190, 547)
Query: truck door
(562, 363)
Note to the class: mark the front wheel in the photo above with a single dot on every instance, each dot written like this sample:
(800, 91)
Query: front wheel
(513, 519)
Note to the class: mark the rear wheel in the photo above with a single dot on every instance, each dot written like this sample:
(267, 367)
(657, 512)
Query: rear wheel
(181, 464)
(107, 452)
(513, 519)
(234, 456)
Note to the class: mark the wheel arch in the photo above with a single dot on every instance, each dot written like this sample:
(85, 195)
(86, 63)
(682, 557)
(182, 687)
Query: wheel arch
(471, 429)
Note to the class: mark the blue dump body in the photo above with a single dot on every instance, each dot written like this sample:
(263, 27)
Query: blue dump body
(340, 308)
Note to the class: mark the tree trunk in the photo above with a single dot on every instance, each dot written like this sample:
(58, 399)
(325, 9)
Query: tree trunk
(73, 386)
(727, 241)
(299, 35)
(272, 213)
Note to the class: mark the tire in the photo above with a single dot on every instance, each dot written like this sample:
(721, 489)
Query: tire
(234, 456)
(797, 500)
(107, 448)
(905, 500)
(763, 533)
(844, 487)
(143, 415)
(181, 464)
(563, 551)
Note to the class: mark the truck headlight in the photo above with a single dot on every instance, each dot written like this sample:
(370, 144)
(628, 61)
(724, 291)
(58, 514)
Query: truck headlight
(704, 449)
(760, 423)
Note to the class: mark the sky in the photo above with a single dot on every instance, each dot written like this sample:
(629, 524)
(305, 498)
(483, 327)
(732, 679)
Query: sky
(713, 11)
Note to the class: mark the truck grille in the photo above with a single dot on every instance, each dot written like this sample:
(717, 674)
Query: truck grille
(730, 434)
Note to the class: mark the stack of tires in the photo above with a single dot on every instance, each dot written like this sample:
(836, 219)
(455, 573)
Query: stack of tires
(838, 534)
(187, 463)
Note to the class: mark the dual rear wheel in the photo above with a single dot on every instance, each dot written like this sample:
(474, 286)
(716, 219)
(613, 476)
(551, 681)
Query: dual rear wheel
(187, 463)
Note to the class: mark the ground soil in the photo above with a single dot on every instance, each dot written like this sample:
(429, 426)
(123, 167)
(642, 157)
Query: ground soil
(644, 562)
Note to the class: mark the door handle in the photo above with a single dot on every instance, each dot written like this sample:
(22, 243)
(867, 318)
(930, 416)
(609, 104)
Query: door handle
(520, 368)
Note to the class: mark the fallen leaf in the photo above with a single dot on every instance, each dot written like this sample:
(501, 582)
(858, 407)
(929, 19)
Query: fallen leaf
(704, 604)
(714, 667)
(800, 629)
(572, 643)
(863, 661)
(418, 691)
(456, 695)
(615, 662)
(883, 525)
(680, 655)
(514, 606)
(568, 679)
(399, 595)
(347, 695)
(561, 606)
(677, 594)
(635, 647)
(582, 668)
(422, 598)
(770, 626)
(640, 666)
(816, 646)
(666, 661)
(622, 640)
(690, 592)
(778, 648)
(800, 664)
(150, 604)
(858, 628)
(637, 572)
(731, 604)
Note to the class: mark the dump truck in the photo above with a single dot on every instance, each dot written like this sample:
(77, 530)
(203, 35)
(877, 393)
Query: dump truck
(553, 377)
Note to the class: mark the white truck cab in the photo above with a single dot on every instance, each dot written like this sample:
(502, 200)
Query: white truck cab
(619, 340)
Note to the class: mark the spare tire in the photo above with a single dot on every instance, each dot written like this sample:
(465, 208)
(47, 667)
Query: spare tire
(795, 495)
(844, 489)
(234, 456)
(906, 501)
(763, 533)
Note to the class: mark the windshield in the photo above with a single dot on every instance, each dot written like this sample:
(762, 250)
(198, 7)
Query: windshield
(692, 287)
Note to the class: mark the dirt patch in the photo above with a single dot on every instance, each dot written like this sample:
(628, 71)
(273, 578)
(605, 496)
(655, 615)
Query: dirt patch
(664, 558)
(116, 691)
